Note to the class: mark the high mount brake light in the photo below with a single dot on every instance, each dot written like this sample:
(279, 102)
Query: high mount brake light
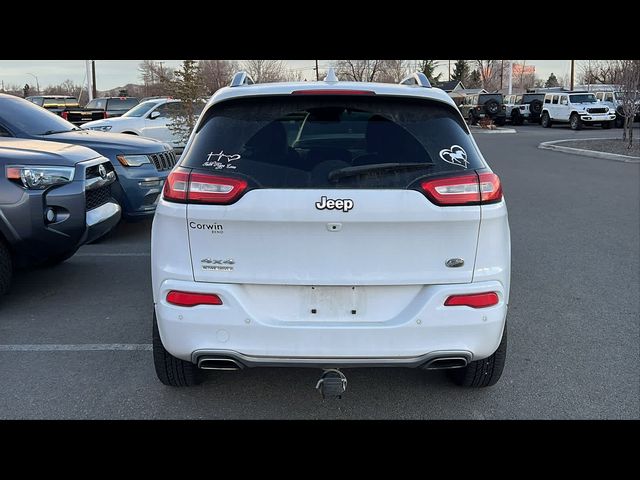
(184, 187)
(460, 190)
(332, 91)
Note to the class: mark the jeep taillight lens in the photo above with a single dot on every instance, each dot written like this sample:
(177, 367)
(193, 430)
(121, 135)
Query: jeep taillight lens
(185, 187)
(463, 190)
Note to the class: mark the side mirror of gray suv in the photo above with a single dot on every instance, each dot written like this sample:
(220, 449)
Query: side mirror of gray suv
(154, 114)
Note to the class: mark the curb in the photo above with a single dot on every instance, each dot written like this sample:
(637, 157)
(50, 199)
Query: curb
(475, 129)
(553, 145)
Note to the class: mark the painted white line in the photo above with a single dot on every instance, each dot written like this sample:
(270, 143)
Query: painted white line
(145, 254)
(82, 347)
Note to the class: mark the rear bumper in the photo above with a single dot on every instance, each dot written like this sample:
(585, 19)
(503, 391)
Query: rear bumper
(239, 329)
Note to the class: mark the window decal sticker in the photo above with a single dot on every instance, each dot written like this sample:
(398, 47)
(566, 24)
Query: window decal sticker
(220, 161)
(455, 156)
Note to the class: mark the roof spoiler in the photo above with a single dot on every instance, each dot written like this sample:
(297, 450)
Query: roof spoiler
(417, 79)
(241, 78)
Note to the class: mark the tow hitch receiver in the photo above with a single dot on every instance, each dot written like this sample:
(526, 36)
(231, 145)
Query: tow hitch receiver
(332, 384)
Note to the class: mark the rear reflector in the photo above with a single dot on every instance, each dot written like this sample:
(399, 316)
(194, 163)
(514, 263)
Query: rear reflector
(331, 91)
(190, 299)
(475, 300)
(182, 186)
(463, 190)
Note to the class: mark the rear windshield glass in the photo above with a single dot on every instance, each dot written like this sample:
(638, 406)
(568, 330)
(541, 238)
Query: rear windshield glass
(121, 103)
(332, 142)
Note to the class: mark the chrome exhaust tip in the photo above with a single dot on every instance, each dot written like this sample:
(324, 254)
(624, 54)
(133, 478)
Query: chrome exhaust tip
(445, 363)
(217, 363)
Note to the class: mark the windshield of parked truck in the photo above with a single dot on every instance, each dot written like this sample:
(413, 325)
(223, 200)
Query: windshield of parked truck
(583, 98)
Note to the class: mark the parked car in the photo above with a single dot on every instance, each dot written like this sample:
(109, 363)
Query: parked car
(514, 111)
(54, 197)
(103, 107)
(534, 102)
(577, 109)
(141, 164)
(55, 103)
(148, 119)
(491, 105)
(331, 224)
(613, 100)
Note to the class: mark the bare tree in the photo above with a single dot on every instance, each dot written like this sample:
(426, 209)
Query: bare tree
(489, 74)
(600, 71)
(393, 71)
(217, 73)
(68, 87)
(630, 89)
(359, 70)
(264, 71)
(156, 78)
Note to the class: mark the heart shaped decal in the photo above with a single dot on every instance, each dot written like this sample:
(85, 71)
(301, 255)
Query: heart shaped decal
(455, 156)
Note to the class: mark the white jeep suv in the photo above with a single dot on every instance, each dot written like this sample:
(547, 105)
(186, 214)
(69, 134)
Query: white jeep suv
(577, 108)
(331, 224)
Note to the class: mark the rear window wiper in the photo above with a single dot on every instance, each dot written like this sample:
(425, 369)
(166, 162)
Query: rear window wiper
(385, 167)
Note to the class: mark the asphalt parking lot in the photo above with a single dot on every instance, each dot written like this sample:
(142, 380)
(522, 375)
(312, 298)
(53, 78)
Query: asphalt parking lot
(76, 338)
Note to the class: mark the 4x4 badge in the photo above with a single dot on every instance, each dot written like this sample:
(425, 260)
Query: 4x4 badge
(455, 156)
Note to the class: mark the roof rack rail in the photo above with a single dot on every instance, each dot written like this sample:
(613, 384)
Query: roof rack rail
(241, 78)
(417, 79)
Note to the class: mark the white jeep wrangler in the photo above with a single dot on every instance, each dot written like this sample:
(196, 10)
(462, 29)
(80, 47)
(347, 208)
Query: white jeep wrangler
(577, 108)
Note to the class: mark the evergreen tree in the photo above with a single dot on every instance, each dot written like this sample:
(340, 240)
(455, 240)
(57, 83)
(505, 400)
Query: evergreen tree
(461, 71)
(475, 80)
(428, 67)
(188, 87)
(552, 81)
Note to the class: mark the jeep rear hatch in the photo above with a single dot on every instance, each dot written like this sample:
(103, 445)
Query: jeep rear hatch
(331, 190)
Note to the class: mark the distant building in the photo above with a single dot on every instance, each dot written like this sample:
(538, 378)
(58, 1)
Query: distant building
(451, 86)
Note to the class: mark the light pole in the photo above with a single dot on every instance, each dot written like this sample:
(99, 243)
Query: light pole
(37, 83)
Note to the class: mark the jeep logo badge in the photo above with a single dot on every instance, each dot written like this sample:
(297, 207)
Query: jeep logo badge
(344, 204)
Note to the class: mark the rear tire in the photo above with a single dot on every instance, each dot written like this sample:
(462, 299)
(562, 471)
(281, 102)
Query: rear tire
(545, 121)
(485, 372)
(170, 370)
(472, 118)
(517, 119)
(6, 267)
(619, 121)
(500, 121)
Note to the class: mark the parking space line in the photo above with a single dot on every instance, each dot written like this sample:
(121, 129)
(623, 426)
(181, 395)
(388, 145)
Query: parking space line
(82, 347)
(144, 254)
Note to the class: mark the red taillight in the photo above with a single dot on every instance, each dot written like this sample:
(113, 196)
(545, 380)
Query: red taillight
(459, 190)
(65, 115)
(181, 186)
(204, 188)
(475, 300)
(463, 190)
(490, 188)
(190, 299)
(105, 115)
(329, 91)
(175, 186)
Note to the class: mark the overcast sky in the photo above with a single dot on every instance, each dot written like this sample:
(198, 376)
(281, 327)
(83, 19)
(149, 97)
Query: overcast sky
(115, 73)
